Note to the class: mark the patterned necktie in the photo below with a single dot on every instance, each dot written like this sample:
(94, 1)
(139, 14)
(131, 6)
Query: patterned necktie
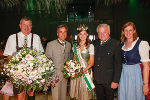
(25, 41)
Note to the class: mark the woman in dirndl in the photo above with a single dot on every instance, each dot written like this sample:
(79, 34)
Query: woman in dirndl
(134, 52)
(85, 53)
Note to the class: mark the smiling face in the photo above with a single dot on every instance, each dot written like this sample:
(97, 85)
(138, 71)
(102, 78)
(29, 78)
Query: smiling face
(62, 33)
(25, 26)
(103, 33)
(83, 35)
(128, 32)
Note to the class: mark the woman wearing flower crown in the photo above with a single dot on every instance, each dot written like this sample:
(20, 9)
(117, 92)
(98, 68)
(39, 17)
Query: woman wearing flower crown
(84, 53)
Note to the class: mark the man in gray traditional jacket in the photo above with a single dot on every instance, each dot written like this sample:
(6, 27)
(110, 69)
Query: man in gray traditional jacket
(59, 51)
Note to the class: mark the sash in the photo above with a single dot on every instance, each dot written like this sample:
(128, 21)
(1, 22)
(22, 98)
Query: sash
(89, 83)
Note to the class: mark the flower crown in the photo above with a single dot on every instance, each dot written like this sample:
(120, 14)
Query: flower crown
(82, 27)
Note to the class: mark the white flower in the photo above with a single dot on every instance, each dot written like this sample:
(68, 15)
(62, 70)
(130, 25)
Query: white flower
(47, 68)
(37, 82)
(52, 68)
(31, 64)
(68, 74)
(44, 59)
(19, 70)
(43, 80)
(40, 77)
(73, 73)
(44, 65)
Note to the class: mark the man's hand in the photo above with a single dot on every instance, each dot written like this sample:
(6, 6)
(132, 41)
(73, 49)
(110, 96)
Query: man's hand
(114, 85)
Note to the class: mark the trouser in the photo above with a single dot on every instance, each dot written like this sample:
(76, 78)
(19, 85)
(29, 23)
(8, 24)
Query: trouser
(31, 97)
(60, 90)
(104, 92)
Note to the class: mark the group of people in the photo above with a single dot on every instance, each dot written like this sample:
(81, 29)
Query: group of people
(111, 64)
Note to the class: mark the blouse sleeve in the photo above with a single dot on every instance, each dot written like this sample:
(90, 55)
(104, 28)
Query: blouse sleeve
(144, 51)
(91, 49)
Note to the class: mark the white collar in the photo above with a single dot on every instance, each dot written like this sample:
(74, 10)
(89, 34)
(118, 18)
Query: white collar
(131, 47)
(22, 35)
(61, 41)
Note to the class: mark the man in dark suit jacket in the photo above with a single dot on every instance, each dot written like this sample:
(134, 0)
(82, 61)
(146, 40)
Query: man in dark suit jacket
(107, 67)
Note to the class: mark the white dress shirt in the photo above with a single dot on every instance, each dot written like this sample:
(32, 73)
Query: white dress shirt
(10, 48)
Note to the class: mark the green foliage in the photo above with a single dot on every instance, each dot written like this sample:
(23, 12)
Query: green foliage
(48, 6)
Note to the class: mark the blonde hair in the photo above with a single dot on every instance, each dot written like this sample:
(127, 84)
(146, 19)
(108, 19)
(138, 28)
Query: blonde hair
(135, 35)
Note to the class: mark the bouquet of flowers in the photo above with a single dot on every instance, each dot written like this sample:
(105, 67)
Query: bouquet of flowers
(72, 69)
(31, 70)
(3, 76)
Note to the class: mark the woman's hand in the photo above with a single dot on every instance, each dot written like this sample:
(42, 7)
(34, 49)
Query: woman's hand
(145, 77)
(145, 89)
(84, 70)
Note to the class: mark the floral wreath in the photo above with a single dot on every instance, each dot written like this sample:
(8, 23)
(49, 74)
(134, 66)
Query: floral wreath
(82, 27)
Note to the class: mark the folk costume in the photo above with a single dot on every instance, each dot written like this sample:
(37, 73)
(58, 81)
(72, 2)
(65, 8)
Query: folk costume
(78, 86)
(107, 67)
(14, 43)
(59, 53)
(130, 86)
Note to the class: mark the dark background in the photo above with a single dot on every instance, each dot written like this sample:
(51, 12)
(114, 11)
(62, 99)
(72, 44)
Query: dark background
(114, 14)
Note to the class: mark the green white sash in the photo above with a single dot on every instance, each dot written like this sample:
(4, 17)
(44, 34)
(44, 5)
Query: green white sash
(89, 83)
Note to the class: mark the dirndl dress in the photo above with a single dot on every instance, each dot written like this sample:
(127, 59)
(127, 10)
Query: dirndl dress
(130, 85)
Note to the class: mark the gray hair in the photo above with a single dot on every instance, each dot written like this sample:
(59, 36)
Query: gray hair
(104, 25)
(26, 19)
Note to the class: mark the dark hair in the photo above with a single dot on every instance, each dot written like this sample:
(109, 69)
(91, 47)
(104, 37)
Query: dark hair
(135, 35)
(87, 43)
(63, 25)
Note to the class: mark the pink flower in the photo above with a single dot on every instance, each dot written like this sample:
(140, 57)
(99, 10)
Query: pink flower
(22, 74)
(32, 74)
(40, 70)
(7, 70)
(28, 57)
(22, 78)
(45, 88)
(13, 66)
(16, 73)
(29, 81)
